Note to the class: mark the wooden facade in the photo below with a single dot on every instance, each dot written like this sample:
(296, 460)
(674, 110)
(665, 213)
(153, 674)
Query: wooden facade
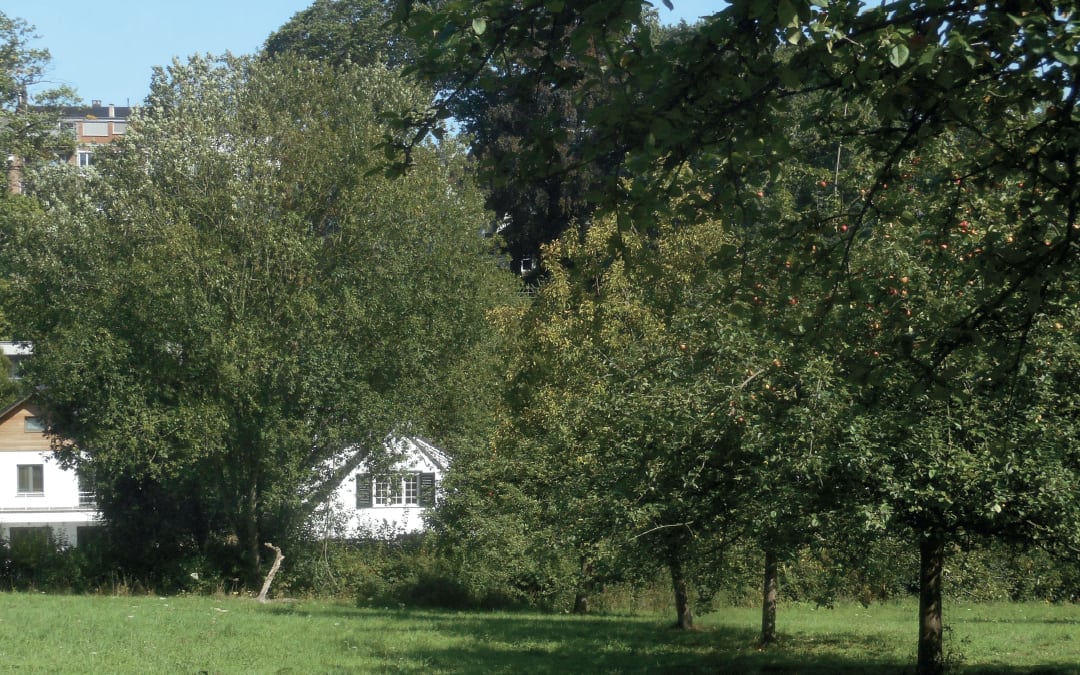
(18, 430)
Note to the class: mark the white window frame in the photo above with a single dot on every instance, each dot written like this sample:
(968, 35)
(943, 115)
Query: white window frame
(397, 489)
(87, 488)
(29, 477)
(410, 488)
(402, 488)
(383, 492)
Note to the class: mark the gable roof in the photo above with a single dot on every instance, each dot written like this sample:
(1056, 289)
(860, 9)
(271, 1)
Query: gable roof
(415, 446)
(13, 408)
(436, 456)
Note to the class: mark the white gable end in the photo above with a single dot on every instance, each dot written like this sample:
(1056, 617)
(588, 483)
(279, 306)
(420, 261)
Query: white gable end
(385, 503)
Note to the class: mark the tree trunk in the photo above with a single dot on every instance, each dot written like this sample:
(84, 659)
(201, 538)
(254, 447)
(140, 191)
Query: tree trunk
(768, 598)
(247, 534)
(682, 597)
(931, 562)
(581, 598)
(273, 571)
(15, 166)
(581, 602)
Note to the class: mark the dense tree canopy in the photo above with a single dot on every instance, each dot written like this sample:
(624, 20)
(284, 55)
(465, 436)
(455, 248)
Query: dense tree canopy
(533, 202)
(926, 266)
(26, 134)
(233, 312)
(625, 367)
(343, 31)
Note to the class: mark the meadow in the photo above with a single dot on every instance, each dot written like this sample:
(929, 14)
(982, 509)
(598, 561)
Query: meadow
(197, 634)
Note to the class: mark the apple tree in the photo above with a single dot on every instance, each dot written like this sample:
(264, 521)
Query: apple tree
(984, 94)
(634, 376)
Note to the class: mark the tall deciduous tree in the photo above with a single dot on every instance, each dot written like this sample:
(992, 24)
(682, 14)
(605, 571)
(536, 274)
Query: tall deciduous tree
(621, 405)
(535, 192)
(14, 210)
(234, 312)
(948, 388)
(357, 32)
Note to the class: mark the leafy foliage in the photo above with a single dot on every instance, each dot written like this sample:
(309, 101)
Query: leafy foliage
(927, 275)
(235, 313)
(343, 32)
(25, 132)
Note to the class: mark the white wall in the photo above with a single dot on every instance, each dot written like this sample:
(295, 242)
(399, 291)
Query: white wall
(340, 518)
(58, 505)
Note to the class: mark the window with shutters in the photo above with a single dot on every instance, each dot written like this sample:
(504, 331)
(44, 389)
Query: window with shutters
(400, 489)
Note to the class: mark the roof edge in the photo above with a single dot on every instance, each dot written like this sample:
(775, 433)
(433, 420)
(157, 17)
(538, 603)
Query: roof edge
(6, 412)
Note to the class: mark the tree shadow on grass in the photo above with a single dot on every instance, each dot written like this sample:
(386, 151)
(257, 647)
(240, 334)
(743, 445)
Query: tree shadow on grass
(1018, 620)
(562, 645)
(627, 645)
(1058, 669)
(556, 644)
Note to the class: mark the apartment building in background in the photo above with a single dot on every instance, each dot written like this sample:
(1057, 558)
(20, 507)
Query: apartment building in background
(92, 126)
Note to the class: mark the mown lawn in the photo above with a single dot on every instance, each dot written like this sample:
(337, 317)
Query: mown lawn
(100, 634)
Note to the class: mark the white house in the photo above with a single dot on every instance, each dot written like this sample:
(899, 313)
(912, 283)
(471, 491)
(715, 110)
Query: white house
(385, 504)
(37, 495)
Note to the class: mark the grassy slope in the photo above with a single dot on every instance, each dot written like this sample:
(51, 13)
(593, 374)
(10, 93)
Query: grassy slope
(41, 633)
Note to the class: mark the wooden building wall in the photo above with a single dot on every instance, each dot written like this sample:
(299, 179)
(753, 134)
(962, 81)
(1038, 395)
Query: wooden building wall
(14, 434)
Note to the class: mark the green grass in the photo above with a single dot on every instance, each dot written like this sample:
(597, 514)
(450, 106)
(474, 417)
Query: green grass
(80, 634)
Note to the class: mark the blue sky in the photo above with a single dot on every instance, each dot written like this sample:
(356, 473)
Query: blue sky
(107, 51)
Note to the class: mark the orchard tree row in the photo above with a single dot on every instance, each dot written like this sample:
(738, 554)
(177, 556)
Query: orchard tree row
(830, 284)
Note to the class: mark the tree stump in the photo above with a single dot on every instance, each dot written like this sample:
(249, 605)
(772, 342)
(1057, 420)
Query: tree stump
(273, 570)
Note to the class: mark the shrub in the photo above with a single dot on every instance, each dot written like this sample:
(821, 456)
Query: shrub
(44, 561)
